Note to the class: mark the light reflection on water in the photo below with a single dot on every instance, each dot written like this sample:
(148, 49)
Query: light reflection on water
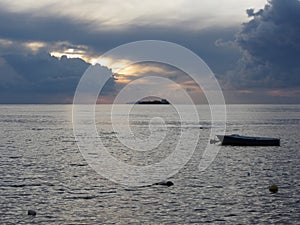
(41, 168)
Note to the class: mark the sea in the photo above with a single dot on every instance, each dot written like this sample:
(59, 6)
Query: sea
(43, 169)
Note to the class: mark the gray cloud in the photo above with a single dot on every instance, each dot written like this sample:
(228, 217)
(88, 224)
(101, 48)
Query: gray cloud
(265, 54)
(54, 31)
(270, 42)
(40, 75)
(41, 78)
(119, 14)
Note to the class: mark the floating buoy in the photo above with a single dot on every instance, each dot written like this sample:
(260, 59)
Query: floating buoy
(165, 183)
(273, 188)
(248, 174)
(31, 212)
(169, 183)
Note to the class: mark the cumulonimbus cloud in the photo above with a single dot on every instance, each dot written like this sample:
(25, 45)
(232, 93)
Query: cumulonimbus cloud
(270, 42)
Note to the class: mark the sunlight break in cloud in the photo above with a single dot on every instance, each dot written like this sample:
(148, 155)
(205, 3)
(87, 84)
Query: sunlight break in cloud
(34, 46)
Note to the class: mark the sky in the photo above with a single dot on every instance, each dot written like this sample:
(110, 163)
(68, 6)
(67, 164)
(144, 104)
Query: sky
(252, 47)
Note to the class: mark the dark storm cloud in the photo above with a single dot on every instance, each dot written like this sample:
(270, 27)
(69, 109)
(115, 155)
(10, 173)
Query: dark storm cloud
(40, 78)
(271, 45)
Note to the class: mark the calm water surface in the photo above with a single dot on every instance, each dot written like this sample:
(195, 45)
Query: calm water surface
(42, 169)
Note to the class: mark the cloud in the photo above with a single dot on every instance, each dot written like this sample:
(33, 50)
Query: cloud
(60, 33)
(119, 14)
(29, 39)
(263, 54)
(41, 78)
(270, 42)
(155, 69)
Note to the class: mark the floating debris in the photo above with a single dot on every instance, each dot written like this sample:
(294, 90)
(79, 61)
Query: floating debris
(31, 212)
(273, 188)
(212, 141)
(165, 183)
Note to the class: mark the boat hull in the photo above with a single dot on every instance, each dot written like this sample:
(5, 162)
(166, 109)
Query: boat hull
(237, 140)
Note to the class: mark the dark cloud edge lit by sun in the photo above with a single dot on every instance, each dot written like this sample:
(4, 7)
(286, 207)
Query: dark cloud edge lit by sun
(46, 47)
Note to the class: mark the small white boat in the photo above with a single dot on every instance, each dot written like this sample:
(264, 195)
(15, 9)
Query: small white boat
(239, 140)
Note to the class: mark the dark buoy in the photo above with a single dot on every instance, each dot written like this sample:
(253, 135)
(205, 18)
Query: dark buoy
(169, 183)
(31, 212)
(165, 183)
(248, 174)
(273, 188)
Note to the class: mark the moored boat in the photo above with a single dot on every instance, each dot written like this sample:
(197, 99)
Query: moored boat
(239, 140)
